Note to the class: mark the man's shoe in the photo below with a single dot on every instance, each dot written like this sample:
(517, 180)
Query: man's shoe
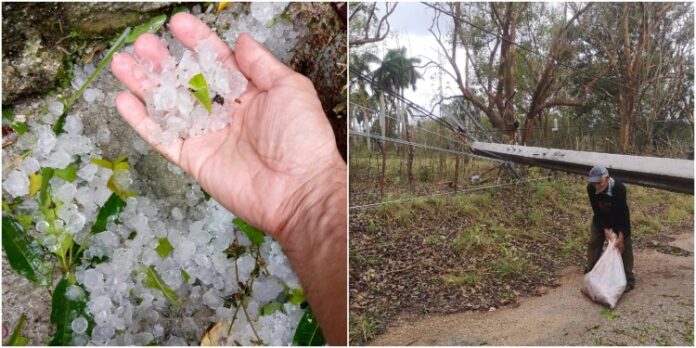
(629, 287)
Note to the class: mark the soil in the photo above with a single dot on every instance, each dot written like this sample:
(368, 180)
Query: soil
(659, 311)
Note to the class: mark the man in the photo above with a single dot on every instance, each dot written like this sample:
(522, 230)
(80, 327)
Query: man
(608, 199)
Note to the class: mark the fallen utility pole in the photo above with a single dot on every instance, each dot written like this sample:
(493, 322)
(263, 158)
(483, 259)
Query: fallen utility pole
(670, 174)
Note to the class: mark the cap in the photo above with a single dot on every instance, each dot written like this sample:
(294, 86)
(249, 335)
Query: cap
(597, 172)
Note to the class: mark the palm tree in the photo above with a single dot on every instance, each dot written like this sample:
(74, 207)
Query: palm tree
(360, 64)
(396, 73)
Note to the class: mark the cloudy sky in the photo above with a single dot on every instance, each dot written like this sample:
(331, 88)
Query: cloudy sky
(410, 23)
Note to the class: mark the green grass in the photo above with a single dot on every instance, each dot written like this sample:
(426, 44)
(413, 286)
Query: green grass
(678, 211)
(435, 240)
(371, 226)
(363, 327)
(425, 174)
(646, 225)
(538, 217)
(545, 191)
(510, 265)
(609, 314)
(474, 238)
(467, 278)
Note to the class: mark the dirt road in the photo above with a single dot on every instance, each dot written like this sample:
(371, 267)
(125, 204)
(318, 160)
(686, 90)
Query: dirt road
(659, 311)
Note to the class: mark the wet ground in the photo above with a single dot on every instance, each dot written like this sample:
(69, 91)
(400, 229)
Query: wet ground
(659, 311)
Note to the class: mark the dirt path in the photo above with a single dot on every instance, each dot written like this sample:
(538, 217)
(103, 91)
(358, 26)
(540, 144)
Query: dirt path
(659, 311)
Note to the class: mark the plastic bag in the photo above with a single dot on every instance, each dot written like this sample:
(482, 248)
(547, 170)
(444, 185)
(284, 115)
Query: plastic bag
(607, 281)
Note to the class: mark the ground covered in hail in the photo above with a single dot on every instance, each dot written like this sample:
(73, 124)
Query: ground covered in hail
(122, 264)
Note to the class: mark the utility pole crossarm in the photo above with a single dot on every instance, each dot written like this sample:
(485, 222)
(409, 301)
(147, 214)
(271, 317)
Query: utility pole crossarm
(670, 174)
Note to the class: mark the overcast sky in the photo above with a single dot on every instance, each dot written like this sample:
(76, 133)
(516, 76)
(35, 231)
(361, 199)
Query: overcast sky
(409, 28)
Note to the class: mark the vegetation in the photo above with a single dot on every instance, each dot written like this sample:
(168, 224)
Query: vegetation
(483, 249)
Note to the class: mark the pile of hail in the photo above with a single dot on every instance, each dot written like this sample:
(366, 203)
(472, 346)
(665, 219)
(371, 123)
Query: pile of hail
(153, 271)
(195, 93)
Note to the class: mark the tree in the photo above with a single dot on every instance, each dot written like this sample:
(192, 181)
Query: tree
(625, 45)
(396, 73)
(491, 38)
(367, 24)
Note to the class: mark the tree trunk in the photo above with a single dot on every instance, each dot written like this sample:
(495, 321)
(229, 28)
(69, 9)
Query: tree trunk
(409, 161)
(383, 125)
(455, 180)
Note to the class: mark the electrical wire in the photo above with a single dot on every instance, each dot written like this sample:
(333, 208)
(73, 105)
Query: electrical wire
(517, 182)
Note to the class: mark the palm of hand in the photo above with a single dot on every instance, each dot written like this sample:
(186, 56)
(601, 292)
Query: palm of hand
(276, 143)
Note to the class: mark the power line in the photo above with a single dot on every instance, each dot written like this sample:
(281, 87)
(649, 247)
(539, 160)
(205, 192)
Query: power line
(508, 166)
(447, 193)
(425, 146)
(416, 126)
(398, 96)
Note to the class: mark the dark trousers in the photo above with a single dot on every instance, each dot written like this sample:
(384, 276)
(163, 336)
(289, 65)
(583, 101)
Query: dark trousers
(594, 252)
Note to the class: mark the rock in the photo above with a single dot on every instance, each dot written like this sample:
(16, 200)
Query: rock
(161, 181)
(31, 64)
(103, 18)
(328, 37)
(153, 166)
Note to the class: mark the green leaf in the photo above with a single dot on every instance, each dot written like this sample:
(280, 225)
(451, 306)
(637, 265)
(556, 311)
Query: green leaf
(111, 184)
(25, 220)
(16, 339)
(44, 198)
(185, 275)
(100, 67)
(150, 26)
(296, 296)
(25, 255)
(254, 235)
(154, 281)
(180, 8)
(164, 247)
(64, 311)
(7, 114)
(68, 173)
(269, 308)
(102, 163)
(199, 89)
(308, 332)
(112, 207)
(60, 123)
(19, 127)
(339, 107)
(34, 184)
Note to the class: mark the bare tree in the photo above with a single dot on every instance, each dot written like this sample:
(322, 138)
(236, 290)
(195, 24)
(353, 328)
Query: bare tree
(367, 24)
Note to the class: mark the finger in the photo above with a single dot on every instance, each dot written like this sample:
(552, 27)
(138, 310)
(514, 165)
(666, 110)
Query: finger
(134, 113)
(131, 74)
(151, 49)
(259, 64)
(190, 30)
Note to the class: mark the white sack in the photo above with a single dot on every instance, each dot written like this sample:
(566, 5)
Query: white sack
(607, 281)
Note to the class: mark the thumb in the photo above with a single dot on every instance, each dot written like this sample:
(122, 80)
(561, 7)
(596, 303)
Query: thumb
(259, 64)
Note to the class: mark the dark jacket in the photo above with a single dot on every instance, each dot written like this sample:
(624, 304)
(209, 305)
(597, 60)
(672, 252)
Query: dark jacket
(611, 211)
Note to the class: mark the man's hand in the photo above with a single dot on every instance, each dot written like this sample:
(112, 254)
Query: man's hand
(609, 234)
(275, 165)
(620, 242)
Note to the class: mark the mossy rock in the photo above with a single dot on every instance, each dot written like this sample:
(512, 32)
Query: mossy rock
(94, 19)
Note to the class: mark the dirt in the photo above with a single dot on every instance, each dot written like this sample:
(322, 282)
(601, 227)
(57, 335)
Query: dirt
(659, 311)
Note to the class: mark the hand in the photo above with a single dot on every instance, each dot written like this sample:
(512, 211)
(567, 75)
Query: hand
(620, 242)
(275, 165)
(609, 234)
